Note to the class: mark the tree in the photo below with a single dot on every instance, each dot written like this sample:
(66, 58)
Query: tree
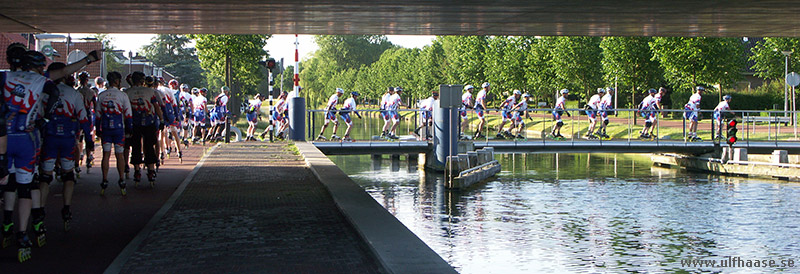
(108, 53)
(341, 61)
(244, 51)
(464, 58)
(629, 61)
(505, 64)
(688, 62)
(540, 73)
(350, 51)
(170, 51)
(576, 61)
(768, 60)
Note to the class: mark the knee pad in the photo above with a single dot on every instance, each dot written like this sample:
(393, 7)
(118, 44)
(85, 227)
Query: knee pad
(605, 122)
(560, 123)
(69, 176)
(648, 124)
(24, 191)
(45, 178)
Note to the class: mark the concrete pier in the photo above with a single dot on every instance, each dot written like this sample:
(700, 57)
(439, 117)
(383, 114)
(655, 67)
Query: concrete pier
(733, 167)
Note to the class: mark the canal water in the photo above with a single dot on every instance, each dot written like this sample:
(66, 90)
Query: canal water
(589, 213)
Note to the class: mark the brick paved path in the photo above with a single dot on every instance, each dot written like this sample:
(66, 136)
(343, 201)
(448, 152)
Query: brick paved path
(253, 207)
(102, 225)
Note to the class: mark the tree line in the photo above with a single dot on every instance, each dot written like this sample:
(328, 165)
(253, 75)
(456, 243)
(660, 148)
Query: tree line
(539, 65)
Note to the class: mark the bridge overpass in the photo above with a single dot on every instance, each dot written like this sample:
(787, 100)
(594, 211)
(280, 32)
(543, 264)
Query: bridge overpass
(545, 146)
(732, 18)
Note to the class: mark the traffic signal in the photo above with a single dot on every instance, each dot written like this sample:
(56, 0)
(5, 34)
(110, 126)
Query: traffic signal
(270, 64)
(732, 131)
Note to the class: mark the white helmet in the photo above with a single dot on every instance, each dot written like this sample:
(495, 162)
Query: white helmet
(339, 90)
(564, 91)
(526, 95)
(601, 90)
(468, 87)
(517, 92)
(485, 85)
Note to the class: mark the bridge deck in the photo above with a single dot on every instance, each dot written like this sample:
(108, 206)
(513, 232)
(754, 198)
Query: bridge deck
(546, 146)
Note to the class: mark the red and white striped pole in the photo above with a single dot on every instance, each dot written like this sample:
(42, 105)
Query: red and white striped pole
(296, 66)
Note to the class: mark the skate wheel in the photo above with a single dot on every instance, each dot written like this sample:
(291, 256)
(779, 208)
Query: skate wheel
(7, 241)
(41, 240)
(123, 192)
(152, 184)
(24, 254)
(67, 225)
(102, 191)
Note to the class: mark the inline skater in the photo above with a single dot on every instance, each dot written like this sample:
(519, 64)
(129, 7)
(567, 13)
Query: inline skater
(280, 115)
(520, 113)
(348, 107)
(199, 103)
(480, 107)
(185, 98)
(559, 108)
(146, 110)
(692, 113)
(466, 103)
(114, 115)
(506, 114)
(89, 97)
(385, 112)
(330, 115)
(219, 114)
(68, 119)
(720, 111)
(606, 104)
(426, 115)
(647, 110)
(591, 112)
(29, 100)
(253, 114)
(99, 84)
(394, 103)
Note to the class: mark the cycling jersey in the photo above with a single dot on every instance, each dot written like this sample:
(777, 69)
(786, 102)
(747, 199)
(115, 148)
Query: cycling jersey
(144, 102)
(69, 115)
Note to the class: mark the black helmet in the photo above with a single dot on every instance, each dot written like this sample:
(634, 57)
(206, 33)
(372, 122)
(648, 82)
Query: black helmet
(204, 90)
(14, 53)
(113, 76)
(56, 66)
(149, 80)
(33, 59)
(83, 76)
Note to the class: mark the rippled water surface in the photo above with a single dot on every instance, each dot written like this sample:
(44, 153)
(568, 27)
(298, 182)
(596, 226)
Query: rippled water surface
(588, 214)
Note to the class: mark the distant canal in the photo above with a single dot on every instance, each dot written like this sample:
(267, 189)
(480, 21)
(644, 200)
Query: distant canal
(589, 213)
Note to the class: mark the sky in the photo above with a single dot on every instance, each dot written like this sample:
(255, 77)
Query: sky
(279, 46)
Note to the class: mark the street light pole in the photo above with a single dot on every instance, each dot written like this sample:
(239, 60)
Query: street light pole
(786, 85)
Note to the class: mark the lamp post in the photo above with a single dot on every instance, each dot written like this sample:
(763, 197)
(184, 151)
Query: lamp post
(786, 85)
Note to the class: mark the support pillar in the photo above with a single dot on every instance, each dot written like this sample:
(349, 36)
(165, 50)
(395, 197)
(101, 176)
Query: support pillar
(445, 125)
(297, 118)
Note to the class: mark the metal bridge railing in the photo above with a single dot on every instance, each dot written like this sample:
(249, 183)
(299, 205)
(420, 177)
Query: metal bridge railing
(671, 125)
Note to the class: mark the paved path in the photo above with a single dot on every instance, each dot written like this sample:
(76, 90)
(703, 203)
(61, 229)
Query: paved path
(251, 207)
(102, 225)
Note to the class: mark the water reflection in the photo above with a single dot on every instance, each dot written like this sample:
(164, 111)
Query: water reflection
(587, 213)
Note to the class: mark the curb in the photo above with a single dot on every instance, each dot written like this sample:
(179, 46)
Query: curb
(396, 248)
(127, 252)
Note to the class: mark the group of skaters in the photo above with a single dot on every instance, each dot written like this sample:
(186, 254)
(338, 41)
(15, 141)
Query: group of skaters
(514, 111)
(278, 118)
(50, 123)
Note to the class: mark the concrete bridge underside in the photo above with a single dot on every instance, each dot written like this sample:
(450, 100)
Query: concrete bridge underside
(733, 18)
